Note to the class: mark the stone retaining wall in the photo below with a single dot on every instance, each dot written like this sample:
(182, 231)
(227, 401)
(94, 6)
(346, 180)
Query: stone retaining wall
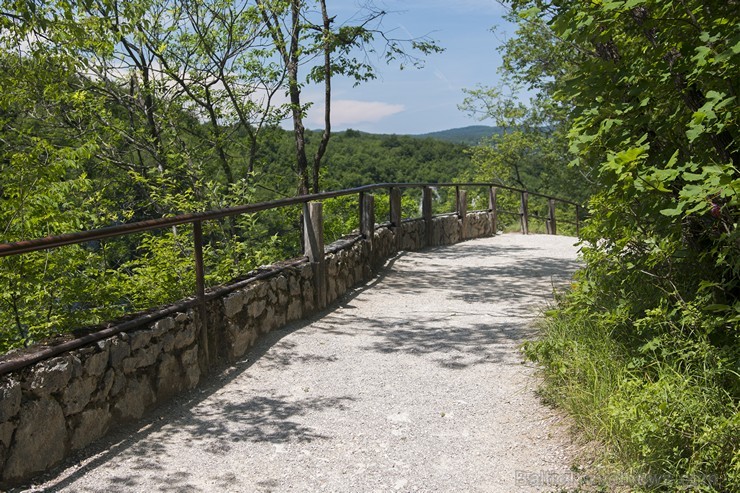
(64, 404)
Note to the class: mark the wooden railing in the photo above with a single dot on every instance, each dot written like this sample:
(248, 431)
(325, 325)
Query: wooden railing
(313, 241)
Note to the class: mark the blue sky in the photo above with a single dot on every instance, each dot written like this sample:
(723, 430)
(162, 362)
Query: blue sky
(412, 101)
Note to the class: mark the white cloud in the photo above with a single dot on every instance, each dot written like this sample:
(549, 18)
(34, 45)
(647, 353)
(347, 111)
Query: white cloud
(350, 112)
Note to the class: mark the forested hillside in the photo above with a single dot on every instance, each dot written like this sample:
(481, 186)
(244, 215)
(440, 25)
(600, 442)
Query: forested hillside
(471, 135)
(356, 158)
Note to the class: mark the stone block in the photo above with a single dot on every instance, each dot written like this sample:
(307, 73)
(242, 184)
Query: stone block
(341, 285)
(163, 326)
(185, 336)
(241, 340)
(168, 343)
(104, 345)
(77, 394)
(309, 305)
(169, 377)
(272, 295)
(331, 268)
(76, 363)
(181, 318)
(90, 426)
(107, 384)
(6, 436)
(119, 382)
(279, 319)
(119, 350)
(51, 376)
(137, 397)
(281, 283)
(10, 398)
(234, 303)
(40, 439)
(140, 338)
(283, 298)
(4, 447)
(128, 365)
(260, 289)
(268, 321)
(256, 308)
(96, 363)
(189, 362)
(146, 356)
(295, 286)
(331, 289)
(295, 310)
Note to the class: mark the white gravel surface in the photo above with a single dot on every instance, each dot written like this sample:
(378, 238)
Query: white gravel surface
(413, 382)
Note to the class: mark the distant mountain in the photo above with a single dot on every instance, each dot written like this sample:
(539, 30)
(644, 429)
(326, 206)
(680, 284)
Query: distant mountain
(465, 135)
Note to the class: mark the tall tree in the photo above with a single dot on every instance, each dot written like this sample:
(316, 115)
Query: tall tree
(531, 149)
(301, 36)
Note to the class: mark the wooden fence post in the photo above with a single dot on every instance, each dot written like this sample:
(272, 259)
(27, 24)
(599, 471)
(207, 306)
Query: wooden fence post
(492, 192)
(524, 214)
(457, 199)
(462, 211)
(200, 293)
(552, 227)
(426, 212)
(367, 216)
(395, 203)
(361, 211)
(313, 230)
(367, 230)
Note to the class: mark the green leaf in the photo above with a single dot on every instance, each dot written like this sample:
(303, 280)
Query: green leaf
(677, 211)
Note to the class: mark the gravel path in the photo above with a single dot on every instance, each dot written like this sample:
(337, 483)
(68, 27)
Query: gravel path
(411, 383)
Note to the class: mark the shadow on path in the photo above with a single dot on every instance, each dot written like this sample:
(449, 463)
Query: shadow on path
(454, 339)
(249, 418)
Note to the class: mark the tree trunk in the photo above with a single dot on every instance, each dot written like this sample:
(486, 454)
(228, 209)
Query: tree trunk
(295, 99)
(327, 99)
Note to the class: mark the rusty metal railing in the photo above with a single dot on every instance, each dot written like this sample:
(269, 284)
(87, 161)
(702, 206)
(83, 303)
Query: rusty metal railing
(197, 219)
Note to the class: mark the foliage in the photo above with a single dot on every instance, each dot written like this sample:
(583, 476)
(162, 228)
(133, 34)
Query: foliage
(645, 349)
(302, 31)
(530, 148)
(113, 112)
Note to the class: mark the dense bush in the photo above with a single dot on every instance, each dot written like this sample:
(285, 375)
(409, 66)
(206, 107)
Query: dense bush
(645, 349)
